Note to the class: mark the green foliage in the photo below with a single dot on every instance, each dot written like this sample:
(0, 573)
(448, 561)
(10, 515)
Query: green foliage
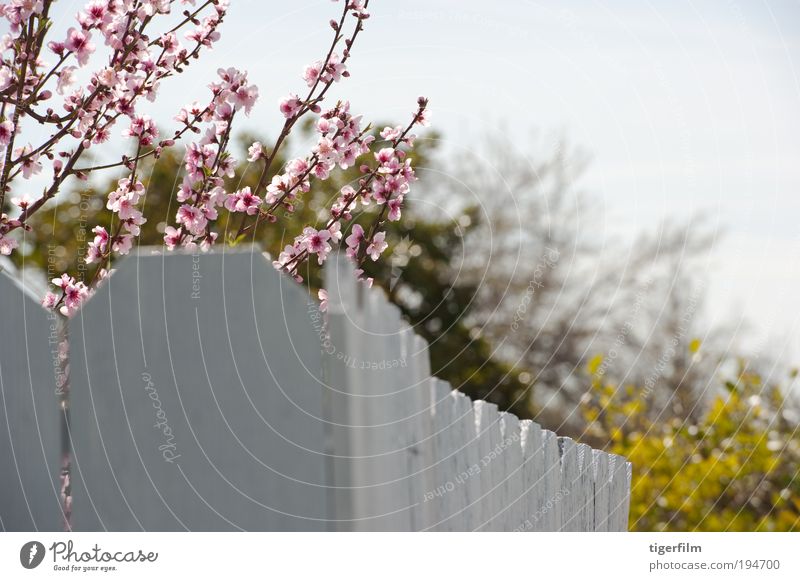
(736, 469)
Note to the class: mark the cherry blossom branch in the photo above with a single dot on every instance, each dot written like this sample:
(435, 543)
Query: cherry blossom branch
(91, 111)
(133, 72)
(326, 72)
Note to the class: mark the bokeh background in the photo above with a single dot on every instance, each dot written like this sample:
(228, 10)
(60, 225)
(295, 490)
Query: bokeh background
(604, 235)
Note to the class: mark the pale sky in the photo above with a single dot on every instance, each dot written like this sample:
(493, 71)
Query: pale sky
(683, 106)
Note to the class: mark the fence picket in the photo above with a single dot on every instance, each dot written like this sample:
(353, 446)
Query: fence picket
(601, 490)
(553, 492)
(619, 493)
(532, 476)
(585, 508)
(513, 471)
(468, 462)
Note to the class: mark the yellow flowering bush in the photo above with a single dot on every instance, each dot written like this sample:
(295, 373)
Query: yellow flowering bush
(737, 468)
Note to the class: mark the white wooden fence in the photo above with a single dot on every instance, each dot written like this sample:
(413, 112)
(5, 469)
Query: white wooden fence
(206, 394)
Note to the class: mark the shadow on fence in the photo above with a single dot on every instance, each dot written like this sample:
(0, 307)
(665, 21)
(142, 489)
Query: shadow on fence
(206, 393)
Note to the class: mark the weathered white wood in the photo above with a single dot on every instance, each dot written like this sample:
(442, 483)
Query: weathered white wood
(487, 424)
(196, 398)
(443, 486)
(513, 471)
(340, 443)
(601, 490)
(408, 430)
(553, 493)
(532, 477)
(453, 462)
(570, 484)
(619, 495)
(423, 451)
(625, 506)
(585, 500)
(375, 418)
(30, 415)
(337, 341)
(468, 467)
(392, 374)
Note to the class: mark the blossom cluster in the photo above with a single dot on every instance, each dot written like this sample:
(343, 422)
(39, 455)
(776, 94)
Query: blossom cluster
(39, 84)
(341, 141)
(83, 114)
(208, 162)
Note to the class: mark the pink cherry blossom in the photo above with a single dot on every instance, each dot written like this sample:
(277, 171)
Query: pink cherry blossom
(354, 240)
(290, 105)
(316, 242)
(255, 151)
(7, 245)
(143, 127)
(394, 208)
(172, 237)
(30, 163)
(6, 131)
(78, 42)
(391, 133)
(49, 301)
(66, 79)
(22, 202)
(243, 201)
(122, 244)
(377, 246)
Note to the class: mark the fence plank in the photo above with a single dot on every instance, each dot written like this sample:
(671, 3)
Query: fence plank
(553, 491)
(585, 508)
(422, 437)
(619, 494)
(196, 398)
(512, 471)
(30, 416)
(532, 476)
(468, 457)
(601, 490)
(570, 483)
(441, 420)
(345, 391)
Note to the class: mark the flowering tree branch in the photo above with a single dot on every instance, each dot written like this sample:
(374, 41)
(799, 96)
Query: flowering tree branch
(81, 116)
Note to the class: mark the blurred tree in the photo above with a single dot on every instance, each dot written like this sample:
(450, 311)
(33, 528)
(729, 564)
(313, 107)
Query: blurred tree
(422, 279)
(735, 468)
(553, 287)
